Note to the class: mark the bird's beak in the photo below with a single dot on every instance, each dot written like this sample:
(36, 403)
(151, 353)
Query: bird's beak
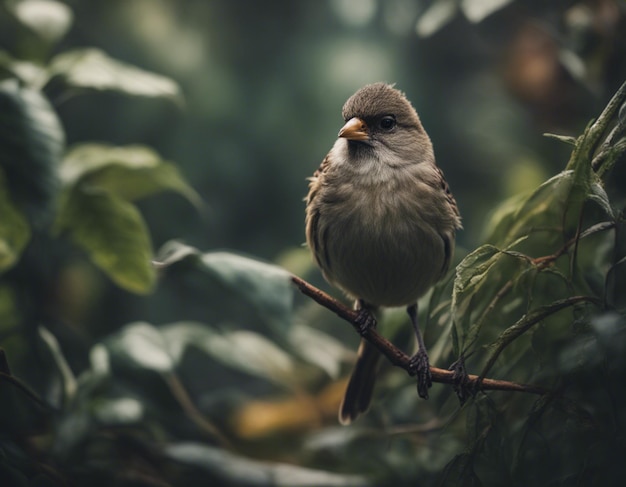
(354, 129)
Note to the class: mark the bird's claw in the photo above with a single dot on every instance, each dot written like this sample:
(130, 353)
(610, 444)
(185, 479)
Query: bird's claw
(420, 367)
(365, 321)
(461, 384)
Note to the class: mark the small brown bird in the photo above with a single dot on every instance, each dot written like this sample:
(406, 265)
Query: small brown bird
(381, 222)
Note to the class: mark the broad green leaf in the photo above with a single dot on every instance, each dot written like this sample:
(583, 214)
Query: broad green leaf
(14, 229)
(92, 69)
(132, 172)
(49, 19)
(230, 469)
(112, 233)
(242, 350)
(267, 287)
(31, 143)
(144, 346)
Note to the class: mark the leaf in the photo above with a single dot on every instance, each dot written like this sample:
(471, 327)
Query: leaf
(267, 287)
(242, 350)
(14, 229)
(542, 210)
(478, 10)
(436, 16)
(598, 195)
(524, 324)
(49, 19)
(92, 69)
(31, 143)
(112, 233)
(482, 280)
(65, 372)
(132, 172)
(119, 411)
(317, 348)
(566, 139)
(144, 346)
(230, 469)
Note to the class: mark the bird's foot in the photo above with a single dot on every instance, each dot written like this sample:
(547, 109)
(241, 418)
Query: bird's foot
(461, 384)
(420, 367)
(365, 320)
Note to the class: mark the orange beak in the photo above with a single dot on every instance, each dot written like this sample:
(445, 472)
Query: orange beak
(354, 129)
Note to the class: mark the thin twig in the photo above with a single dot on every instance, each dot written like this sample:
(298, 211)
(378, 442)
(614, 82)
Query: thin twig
(396, 356)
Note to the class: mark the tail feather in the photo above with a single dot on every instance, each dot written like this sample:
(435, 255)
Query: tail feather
(361, 384)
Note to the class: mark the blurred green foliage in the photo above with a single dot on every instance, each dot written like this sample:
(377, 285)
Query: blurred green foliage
(206, 367)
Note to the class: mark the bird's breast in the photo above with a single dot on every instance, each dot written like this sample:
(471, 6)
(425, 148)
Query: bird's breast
(378, 245)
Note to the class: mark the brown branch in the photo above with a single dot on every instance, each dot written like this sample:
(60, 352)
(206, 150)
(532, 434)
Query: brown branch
(396, 356)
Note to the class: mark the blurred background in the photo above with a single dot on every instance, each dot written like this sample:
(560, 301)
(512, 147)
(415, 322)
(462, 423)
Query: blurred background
(262, 85)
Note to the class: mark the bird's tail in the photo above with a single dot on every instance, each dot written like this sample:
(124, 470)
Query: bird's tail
(361, 385)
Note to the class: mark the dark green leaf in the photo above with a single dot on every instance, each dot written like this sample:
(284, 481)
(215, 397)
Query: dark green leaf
(14, 229)
(113, 234)
(267, 287)
(243, 350)
(31, 142)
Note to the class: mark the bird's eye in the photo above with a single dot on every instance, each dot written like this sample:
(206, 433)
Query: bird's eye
(387, 122)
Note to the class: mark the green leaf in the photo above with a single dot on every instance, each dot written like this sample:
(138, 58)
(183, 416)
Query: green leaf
(49, 19)
(92, 69)
(31, 143)
(66, 376)
(481, 282)
(436, 16)
(317, 348)
(14, 229)
(112, 233)
(267, 287)
(598, 195)
(144, 346)
(478, 10)
(242, 350)
(542, 210)
(524, 324)
(132, 172)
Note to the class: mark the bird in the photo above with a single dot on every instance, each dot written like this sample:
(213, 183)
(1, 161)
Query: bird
(381, 224)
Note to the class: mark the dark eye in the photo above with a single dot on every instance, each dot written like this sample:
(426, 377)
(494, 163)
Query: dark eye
(387, 122)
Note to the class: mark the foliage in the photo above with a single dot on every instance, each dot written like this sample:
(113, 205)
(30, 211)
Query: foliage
(248, 395)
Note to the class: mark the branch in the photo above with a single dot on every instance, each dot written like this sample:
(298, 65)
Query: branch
(396, 356)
